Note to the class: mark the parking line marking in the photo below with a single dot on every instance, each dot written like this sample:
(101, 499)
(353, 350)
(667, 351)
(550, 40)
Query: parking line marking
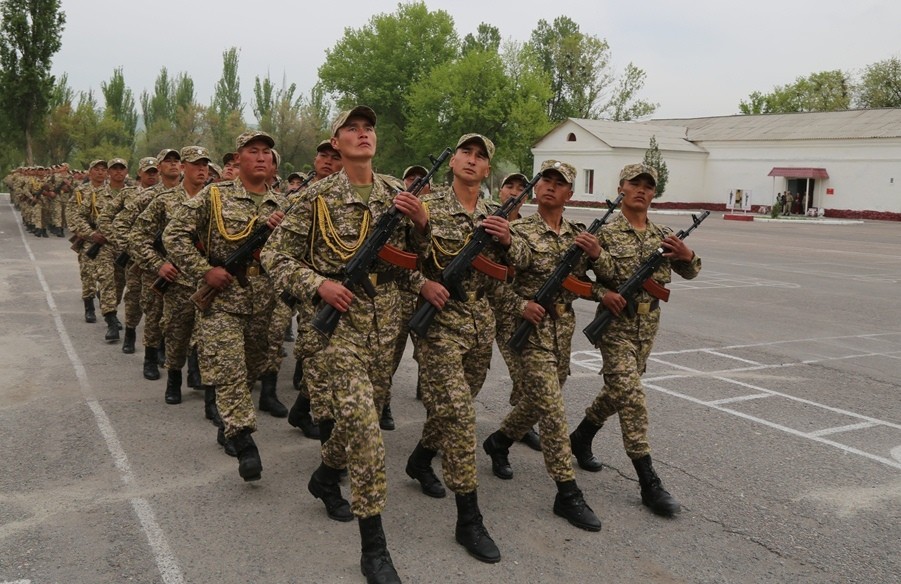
(732, 400)
(840, 429)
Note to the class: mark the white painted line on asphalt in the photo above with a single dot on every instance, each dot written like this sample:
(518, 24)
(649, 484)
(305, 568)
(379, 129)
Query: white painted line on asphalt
(16, 582)
(732, 400)
(774, 343)
(840, 429)
(896, 453)
(733, 357)
(165, 560)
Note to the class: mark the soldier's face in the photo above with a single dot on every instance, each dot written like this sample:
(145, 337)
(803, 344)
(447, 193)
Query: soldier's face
(355, 140)
(327, 162)
(638, 193)
(197, 172)
(150, 177)
(230, 171)
(97, 174)
(511, 189)
(470, 163)
(412, 178)
(117, 174)
(170, 167)
(552, 190)
(255, 161)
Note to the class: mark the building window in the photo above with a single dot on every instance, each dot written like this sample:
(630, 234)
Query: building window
(589, 181)
(571, 137)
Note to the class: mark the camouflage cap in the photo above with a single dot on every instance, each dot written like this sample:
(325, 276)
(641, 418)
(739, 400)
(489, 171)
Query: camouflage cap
(194, 153)
(117, 161)
(146, 163)
(417, 169)
(229, 156)
(166, 152)
(325, 145)
(276, 158)
(515, 176)
(631, 171)
(97, 162)
(567, 171)
(485, 142)
(360, 110)
(215, 169)
(296, 175)
(251, 135)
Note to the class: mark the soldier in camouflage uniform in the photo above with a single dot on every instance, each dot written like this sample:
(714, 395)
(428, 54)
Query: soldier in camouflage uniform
(306, 255)
(177, 317)
(543, 365)
(82, 226)
(629, 240)
(455, 354)
(110, 278)
(168, 169)
(148, 175)
(232, 331)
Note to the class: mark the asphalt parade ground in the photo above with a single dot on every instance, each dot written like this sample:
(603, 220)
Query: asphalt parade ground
(774, 392)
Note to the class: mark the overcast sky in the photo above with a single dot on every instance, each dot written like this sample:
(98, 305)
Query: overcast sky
(702, 58)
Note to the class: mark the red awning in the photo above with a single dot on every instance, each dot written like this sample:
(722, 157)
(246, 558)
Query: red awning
(789, 172)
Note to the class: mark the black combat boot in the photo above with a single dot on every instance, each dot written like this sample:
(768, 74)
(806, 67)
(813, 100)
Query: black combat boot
(386, 420)
(471, 532)
(419, 468)
(300, 417)
(580, 442)
(249, 464)
(194, 381)
(58, 231)
(225, 442)
(324, 485)
(268, 399)
(375, 562)
(112, 331)
(210, 410)
(653, 495)
(161, 353)
(128, 343)
(532, 440)
(570, 505)
(151, 369)
(173, 386)
(42, 232)
(497, 446)
(89, 314)
(297, 378)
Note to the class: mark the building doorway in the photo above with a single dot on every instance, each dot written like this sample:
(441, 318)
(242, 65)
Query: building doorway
(801, 189)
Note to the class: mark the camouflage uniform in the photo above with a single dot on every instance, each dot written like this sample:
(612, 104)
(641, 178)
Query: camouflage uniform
(626, 344)
(342, 374)
(177, 314)
(119, 236)
(543, 365)
(85, 265)
(231, 333)
(455, 354)
(110, 278)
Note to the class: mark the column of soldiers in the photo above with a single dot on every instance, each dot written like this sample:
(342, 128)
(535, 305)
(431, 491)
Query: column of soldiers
(200, 297)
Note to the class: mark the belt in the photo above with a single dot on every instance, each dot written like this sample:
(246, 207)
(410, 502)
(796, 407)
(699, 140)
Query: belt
(560, 308)
(253, 268)
(380, 278)
(647, 307)
(474, 296)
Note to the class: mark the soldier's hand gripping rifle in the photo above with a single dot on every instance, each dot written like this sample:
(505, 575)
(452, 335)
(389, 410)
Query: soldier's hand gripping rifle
(356, 272)
(470, 256)
(560, 278)
(640, 279)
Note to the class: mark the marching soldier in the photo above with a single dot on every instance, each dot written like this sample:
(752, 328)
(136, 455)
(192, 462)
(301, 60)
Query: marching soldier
(82, 226)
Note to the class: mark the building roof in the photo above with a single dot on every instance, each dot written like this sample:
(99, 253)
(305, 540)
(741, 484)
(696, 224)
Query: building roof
(849, 124)
(638, 134)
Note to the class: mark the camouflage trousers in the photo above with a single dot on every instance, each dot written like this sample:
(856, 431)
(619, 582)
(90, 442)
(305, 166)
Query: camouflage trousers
(540, 399)
(453, 370)
(87, 273)
(408, 304)
(625, 361)
(132, 297)
(506, 325)
(55, 211)
(231, 351)
(339, 380)
(281, 318)
(387, 302)
(152, 306)
(110, 278)
(177, 324)
(37, 213)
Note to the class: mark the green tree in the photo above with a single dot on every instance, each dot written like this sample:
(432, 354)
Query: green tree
(826, 91)
(225, 116)
(376, 64)
(158, 107)
(120, 118)
(178, 122)
(653, 159)
(55, 142)
(880, 85)
(624, 106)
(30, 33)
(487, 38)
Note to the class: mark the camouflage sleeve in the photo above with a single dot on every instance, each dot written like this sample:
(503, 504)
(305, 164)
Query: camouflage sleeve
(190, 217)
(504, 298)
(143, 234)
(77, 214)
(124, 220)
(282, 256)
(107, 216)
(688, 270)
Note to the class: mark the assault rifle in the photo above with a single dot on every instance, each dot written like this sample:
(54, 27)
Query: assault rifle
(356, 272)
(560, 278)
(468, 257)
(640, 279)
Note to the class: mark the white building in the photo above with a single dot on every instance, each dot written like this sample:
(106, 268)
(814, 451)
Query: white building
(847, 162)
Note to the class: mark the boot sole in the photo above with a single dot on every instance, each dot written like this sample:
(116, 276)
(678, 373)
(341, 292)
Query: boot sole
(485, 559)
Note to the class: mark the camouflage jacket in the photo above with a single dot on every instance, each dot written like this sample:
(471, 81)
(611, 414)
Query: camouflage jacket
(85, 208)
(133, 205)
(626, 250)
(199, 218)
(150, 224)
(321, 234)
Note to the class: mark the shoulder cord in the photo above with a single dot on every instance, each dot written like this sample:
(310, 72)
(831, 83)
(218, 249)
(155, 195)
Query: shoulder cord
(330, 236)
(441, 249)
(216, 202)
